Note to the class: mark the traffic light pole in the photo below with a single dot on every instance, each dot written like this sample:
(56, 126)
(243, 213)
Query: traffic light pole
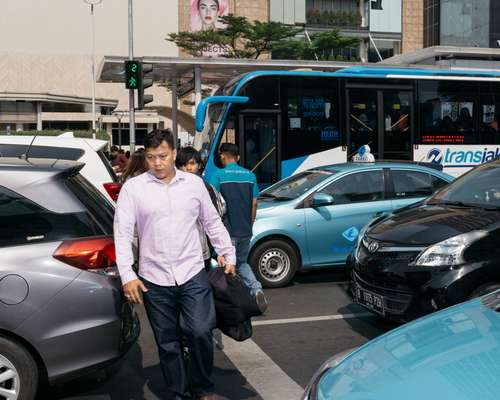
(131, 91)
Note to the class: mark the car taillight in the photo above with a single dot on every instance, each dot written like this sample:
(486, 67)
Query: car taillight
(90, 254)
(113, 189)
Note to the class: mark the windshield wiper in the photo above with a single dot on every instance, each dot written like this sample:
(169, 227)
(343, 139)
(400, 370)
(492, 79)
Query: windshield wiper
(466, 205)
(452, 203)
(274, 197)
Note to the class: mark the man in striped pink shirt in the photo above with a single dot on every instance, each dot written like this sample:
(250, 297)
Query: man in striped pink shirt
(164, 204)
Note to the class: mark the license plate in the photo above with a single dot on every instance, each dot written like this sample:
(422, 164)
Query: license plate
(370, 300)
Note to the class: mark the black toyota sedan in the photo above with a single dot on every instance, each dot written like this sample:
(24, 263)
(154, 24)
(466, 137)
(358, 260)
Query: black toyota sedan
(433, 254)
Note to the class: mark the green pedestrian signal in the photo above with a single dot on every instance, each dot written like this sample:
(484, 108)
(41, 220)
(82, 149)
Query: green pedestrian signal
(132, 83)
(132, 74)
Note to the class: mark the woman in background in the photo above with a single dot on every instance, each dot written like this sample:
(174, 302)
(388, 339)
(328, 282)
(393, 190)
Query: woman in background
(189, 160)
(136, 165)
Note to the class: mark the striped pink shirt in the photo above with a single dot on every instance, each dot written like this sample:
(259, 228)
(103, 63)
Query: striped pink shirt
(165, 216)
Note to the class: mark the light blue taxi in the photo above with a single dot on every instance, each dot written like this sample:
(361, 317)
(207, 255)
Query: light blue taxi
(312, 219)
(450, 354)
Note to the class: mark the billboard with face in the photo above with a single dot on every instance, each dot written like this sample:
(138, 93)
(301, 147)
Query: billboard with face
(205, 14)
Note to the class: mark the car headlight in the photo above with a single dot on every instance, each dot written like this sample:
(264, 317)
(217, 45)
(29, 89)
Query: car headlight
(448, 252)
(312, 388)
(362, 233)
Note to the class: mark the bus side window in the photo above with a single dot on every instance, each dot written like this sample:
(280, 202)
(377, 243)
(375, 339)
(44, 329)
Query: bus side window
(447, 112)
(490, 114)
(310, 119)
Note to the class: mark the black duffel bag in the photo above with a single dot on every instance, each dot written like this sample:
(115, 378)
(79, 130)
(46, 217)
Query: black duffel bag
(234, 305)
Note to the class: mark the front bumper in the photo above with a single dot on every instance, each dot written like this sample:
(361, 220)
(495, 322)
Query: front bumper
(398, 291)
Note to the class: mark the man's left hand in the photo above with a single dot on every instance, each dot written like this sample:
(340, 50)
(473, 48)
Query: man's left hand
(230, 269)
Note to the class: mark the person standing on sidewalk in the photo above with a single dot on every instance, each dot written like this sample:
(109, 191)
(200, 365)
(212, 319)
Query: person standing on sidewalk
(239, 188)
(165, 205)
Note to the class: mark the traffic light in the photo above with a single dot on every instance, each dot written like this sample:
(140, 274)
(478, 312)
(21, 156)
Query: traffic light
(132, 74)
(144, 82)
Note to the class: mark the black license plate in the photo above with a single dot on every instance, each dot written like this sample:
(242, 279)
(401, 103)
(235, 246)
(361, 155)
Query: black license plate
(369, 299)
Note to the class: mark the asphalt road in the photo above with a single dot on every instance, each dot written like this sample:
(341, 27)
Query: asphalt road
(307, 322)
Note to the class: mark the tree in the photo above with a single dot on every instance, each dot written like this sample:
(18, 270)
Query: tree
(242, 39)
(321, 46)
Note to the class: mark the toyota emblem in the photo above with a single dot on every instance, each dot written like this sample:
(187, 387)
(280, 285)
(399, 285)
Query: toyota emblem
(373, 247)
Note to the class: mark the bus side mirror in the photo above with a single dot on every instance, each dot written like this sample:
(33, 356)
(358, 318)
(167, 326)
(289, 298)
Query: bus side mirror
(321, 200)
(201, 110)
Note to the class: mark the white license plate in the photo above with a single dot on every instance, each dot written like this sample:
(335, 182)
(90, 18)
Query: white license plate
(370, 300)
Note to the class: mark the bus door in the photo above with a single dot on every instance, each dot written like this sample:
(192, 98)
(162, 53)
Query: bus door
(382, 119)
(259, 143)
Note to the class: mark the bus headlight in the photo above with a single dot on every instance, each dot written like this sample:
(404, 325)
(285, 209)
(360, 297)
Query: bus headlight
(449, 252)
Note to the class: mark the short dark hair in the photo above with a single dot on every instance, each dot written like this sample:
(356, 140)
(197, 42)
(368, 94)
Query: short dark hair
(185, 154)
(114, 148)
(154, 138)
(229, 148)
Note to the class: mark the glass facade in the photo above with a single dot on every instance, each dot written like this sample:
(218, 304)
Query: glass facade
(431, 23)
(471, 23)
(465, 23)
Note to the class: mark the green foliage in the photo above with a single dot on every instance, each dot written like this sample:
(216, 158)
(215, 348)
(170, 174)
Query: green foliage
(103, 135)
(322, 46)
(323, 43)
(334, 18)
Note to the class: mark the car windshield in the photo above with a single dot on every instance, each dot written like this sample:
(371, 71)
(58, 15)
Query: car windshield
(478, 188)
(296, 185)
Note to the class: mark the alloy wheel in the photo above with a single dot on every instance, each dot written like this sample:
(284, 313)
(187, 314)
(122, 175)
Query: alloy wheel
(9, 380)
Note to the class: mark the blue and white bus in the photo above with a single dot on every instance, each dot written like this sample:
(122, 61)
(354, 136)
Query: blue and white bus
(287, 121)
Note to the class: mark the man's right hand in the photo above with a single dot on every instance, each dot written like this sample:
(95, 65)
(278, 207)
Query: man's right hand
(133, 291)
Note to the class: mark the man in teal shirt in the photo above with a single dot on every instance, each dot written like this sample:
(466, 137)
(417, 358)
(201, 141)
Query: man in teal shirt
(239, 188)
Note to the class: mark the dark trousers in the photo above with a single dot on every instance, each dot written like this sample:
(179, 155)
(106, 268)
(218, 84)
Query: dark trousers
(194, 302)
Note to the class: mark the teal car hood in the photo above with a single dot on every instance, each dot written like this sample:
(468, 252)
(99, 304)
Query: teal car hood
(452, 354)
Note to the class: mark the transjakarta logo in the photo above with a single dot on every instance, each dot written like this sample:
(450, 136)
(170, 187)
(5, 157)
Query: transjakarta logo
(452, 157)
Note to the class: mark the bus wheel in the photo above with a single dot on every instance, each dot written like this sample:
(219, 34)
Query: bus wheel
(274, 263)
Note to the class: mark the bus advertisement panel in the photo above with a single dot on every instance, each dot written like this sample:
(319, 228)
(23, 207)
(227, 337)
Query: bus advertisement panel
(456, 159)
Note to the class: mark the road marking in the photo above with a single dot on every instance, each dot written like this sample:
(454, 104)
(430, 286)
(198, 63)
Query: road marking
(329, 283)
(269, 380)
(310, 319)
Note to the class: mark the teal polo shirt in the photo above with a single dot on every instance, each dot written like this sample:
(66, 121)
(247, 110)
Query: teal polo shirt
(238, 186)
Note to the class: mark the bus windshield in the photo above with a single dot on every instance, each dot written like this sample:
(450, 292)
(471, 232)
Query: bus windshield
(213, 118)
(212, 121)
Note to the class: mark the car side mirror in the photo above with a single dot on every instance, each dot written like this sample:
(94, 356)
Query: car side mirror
(321, 200)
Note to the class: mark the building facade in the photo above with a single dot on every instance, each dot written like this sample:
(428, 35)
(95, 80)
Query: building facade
(463, 23)
(376, 23)
(46, 63)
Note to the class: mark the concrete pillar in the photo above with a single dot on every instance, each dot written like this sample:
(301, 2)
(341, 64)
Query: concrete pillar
(197, 87)
(174, 105)
(39, 125)
(363, 50)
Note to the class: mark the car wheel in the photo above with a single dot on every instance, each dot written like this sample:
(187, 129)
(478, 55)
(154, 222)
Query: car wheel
(484, 289)
(274, 263)
(18, 372)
